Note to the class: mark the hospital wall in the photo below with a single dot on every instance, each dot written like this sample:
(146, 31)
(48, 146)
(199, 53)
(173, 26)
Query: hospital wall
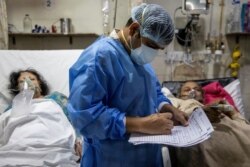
(87, 17)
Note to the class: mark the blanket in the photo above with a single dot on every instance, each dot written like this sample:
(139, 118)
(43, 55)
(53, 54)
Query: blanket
(229, 145)
(43, 137)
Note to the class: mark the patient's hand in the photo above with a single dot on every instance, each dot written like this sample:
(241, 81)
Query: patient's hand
(213, 115)
(78, 148)
(231, 112)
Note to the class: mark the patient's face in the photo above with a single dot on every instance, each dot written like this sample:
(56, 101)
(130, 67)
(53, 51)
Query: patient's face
(34, 81)
(191, 90)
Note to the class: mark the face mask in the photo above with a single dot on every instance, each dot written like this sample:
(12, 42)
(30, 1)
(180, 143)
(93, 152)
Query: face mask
(143, 54)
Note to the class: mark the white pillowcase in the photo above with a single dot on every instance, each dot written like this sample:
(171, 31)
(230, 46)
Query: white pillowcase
(4, 103)
(233, 89)
(166, 92)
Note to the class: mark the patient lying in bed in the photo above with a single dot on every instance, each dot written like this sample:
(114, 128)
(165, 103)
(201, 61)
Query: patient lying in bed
(40, 135)
(229, 144)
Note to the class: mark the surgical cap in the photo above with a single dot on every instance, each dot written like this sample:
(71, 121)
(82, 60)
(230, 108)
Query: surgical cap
(155, 23)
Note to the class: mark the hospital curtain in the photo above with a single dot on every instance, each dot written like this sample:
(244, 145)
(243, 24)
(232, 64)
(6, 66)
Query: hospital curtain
(3, 25)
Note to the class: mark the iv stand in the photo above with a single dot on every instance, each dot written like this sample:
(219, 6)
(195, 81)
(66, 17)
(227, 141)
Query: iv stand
(115, 13)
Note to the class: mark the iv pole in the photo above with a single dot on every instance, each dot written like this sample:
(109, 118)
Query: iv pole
(222, 4)
(115, 13)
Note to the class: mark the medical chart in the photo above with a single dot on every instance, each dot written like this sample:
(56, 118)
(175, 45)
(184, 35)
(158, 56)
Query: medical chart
(198, 130)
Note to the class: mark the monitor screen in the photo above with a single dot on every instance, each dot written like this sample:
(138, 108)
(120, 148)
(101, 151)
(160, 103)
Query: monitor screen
(195, 6)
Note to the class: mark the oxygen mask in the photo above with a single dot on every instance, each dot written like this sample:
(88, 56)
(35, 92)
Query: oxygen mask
(27, 84)
(192, 94)
(22, 102)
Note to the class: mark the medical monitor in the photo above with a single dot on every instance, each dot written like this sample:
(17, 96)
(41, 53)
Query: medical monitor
(195, 6)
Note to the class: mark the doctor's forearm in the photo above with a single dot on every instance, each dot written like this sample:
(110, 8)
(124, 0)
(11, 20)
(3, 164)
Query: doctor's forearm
(158, 123)
(134, 124)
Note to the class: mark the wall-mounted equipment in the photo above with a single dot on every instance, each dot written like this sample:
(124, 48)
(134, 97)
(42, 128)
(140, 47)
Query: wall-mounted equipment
(195, 6)
(192, 9)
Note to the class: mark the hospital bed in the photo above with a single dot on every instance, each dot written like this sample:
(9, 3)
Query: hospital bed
(52, 64)
(45, 133)
(232, 87)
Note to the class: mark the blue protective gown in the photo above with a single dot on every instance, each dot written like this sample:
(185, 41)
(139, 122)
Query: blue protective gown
(105, 87)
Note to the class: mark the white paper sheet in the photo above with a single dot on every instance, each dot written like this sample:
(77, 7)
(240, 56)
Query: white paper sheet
(199, 129)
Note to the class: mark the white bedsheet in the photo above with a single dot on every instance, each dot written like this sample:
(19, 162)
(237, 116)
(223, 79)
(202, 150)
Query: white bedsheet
(44, 137)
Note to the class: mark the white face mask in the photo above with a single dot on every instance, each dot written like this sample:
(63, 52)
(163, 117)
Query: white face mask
(143, 54)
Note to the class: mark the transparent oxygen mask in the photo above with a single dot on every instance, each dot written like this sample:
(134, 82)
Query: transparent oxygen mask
(191, 94)
(27, 84)
(22, 102)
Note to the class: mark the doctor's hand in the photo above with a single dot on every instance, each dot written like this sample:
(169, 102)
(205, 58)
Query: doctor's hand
(158, 123)
(179, 117)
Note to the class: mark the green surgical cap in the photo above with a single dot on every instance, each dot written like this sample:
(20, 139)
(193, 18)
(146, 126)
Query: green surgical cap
(155, 23)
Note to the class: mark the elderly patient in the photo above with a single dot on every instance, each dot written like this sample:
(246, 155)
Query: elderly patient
(40, 135)
(229, 144)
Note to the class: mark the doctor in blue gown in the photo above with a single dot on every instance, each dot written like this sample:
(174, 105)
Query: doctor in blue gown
(114, 92)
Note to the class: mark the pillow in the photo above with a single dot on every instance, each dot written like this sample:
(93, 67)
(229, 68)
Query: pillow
(166, 92)
(4, 103)
(233, 89)
(214, 91)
